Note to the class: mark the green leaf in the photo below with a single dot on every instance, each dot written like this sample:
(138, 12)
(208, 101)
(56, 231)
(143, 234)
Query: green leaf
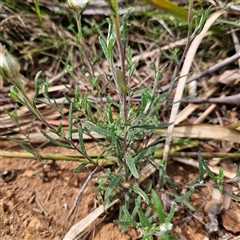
(113, 184)
(128, 216)
(59, 130)
(119, 149)
(143, 219)
(110, 45)
(76, 94)
(25, 147)
(135, 209)
(131, 165)
(144, 97)
(70, 120)
(125, 28)
(45, 86)
(16, 140)
(99, 130)
(201, 170)
(80, 167)
(36, 84)
(104, 48)
(140, 192)
(171, 213)
(56, 105)
(38, 11)
(109, 114)
(122, 224)
(55, 141)
(67, 98)
(184, 197)
(159, 206)
(13, 94)
(209, 172)
(147, 152)
(13, 115)
(80, 139)
(166, 177)
(184, 202)
(230, 195)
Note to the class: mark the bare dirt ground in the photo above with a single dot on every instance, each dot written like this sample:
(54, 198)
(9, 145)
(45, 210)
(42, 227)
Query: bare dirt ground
(31, 208)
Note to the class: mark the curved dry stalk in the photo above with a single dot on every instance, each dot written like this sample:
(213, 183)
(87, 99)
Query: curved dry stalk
(182, 82)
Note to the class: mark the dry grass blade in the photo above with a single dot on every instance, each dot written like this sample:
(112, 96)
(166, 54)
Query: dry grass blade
(87, 221)
(184, 73)
(192, 107)
(205, 131)
(184, 131)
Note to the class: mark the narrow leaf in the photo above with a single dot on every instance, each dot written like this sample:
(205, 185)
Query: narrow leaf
(209, 172)
(184, 202)
(131, 165)
(147, 152)
(36, 84)
(25, 147)
(80, 139)
(55, 141)
(70, 120)
(128, 216)
(159, 206)
(171, 213)
(113, 184)
(201, 170)
(140, 192)
(80, 167)
(99, 130)
(185, 196)
(15, 140)
(143, 219)
(104, 48)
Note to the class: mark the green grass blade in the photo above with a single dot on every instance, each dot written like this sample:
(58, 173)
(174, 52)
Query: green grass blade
(38, 11)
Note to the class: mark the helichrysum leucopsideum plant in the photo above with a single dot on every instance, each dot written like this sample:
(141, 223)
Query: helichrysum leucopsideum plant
(122, 133)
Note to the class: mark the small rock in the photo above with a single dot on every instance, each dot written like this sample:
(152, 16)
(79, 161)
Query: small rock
(28, 173)
(231, 221)
(33, 229)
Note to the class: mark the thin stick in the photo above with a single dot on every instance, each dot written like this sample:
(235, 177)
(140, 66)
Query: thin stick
(41, 207)
(210, 70)
(81, 191)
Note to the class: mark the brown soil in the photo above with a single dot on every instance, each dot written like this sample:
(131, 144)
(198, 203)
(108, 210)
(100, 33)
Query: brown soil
(31, 208)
